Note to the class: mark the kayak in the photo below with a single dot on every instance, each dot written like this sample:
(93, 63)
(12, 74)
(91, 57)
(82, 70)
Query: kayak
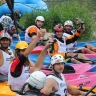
(33, 57)
(5, 90)
(37, 50)
(79, 79)
(76, 68)
(73, 76)
(90, 55)
(85, 89)
(84, 67)
(22, 34)
(87, 81)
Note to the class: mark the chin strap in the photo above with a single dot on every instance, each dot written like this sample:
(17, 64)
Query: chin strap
(56, 74)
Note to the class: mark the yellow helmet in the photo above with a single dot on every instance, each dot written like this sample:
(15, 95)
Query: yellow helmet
(21, 45)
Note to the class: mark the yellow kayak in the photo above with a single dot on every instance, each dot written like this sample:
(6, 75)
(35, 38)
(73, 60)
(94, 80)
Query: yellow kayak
(85, 88)
(5, 89)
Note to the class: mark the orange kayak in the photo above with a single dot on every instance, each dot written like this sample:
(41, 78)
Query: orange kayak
(5, 89)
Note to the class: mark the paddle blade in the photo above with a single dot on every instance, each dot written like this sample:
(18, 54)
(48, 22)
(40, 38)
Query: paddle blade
(10, 4)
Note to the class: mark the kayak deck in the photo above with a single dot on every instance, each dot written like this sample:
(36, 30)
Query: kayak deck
(5, 90)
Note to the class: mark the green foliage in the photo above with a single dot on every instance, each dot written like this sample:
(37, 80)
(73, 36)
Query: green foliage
(62, 11)
(0, 3)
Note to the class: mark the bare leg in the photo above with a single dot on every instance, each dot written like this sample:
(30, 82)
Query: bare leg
(90, 46)
(81, 56)
(87, 51)
(73, 60)
(71, 54)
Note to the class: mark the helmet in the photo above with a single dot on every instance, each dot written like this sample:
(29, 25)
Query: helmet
(68, 22)
(57, 59)
(21, 45)
(58, 27)
(40, 18)
(8, 15)
(4, 35)
(37, 79)
(17, 14)
(5, 20)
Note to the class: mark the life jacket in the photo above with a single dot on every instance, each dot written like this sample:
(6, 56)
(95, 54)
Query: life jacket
(7, 61)
(61, 46)
(62, 88)
(72, 46)
(29, 30)
(17, 83)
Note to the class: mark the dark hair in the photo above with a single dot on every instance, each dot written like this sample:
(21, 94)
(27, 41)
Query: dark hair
(8, 39)
(31, 87)
(17, 53)
(1, 27)
(17, 14)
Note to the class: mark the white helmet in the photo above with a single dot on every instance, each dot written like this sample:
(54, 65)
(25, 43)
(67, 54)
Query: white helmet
(37, 79)
(57, 59)
(40, 18)
(6, 21)
(68, 22)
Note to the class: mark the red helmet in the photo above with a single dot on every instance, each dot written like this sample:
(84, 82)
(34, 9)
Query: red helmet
(58, 27)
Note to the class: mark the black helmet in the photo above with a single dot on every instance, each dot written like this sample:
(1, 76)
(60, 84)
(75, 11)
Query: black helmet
(17, 14)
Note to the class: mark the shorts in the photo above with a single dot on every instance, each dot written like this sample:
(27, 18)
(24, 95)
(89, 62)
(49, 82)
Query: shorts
(78, 51)
(68, 59)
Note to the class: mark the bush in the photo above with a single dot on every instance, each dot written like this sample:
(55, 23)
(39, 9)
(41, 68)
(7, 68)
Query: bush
(0, 3)
(62, 11)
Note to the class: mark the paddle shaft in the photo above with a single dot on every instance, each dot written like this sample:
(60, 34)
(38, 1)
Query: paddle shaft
(10, 4)
(90, 90)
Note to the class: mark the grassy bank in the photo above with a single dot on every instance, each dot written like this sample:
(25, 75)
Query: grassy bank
(59, 12)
